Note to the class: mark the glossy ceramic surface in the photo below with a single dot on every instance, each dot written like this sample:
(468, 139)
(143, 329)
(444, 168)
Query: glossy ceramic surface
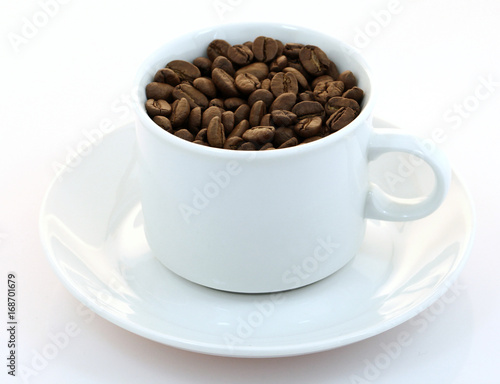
(92, 230)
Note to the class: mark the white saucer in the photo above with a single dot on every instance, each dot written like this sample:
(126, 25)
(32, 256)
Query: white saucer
(92, 231)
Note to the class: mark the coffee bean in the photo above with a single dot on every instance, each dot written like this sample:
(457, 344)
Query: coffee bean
(217, 102)
(180, 112)
(261, 94)
(314, 60)
(184, 134)
(340, 119)
(225, 64)
(205, 86)
(224, 82)
(320, 79)
(227, 119)
(194, 120)
(247, 146)
(282, 135)
(265, 48)
(307, 96)
(216, 48)
(259, 70)
(266, 147)
(292, 50)
(278, 64)
(292, 142)
(185, 70)
(202, 135)
(241, 113)
(209, 114)
(163, 122)
(285, 101)
(266, 120)
(335, 103)
(325, 90)
(283, 117)
(256, 112)
(259, 134)
(246, 83)
(159, 91)
(284, 83)
(266, 84)
(204, 64)
(240, 129)
(200, 142)
(191, 94)
(348, 78)
(354, 93)
(240, 54)
(301, 79)
(233, 142)
(166, 75)
(311, 139)
(232, 103)
(308, 127)
(308, 109)
(158, 107)
(215, 133)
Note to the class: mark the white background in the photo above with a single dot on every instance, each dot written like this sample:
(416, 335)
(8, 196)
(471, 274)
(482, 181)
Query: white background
(75, 69)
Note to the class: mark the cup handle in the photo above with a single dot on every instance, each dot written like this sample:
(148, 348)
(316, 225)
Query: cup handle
(381, 206)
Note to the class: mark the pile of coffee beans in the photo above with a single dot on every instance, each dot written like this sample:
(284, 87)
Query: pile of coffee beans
(254, 96)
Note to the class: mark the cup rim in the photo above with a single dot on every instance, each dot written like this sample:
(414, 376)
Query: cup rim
(201, 150)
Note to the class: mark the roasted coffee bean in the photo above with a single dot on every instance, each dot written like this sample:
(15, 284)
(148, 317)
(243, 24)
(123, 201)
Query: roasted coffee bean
(227, 119)
(354, 93)
(241, 113)
(328, 89)
(308, 109)
(335, 103)
(158, 107)
(194, 120)
(191, 94)
(224, 82)
(205, 86)
(209, 114)
(283, 118)
(314, 60)
(180, 112)
(232, 103)
(166, 75)
(265, 48)
(285, 101)
(301, 79)
(216, 48)
(340, 119)
(261, 94)
(216, 103)
(259, 70)
(266, 147)
(247, 146)
(201, 143)
(348, 78)
(258, 95)
(240, 129)
(246, 83)
(215, 133)
(284, 83)
(259, 135)
(308, 127)
(202, 135)
(289, 143)
(240, 54)
(282, 135)
(233, 142)
(256, 112)
(184, 69)
(204, 64)
(184, 134)
(163, 122)
(278, 64)
(225, 64)
(159, 91)
(319, 79)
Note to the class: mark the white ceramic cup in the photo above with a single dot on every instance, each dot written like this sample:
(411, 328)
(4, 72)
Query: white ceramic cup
(250, 221)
